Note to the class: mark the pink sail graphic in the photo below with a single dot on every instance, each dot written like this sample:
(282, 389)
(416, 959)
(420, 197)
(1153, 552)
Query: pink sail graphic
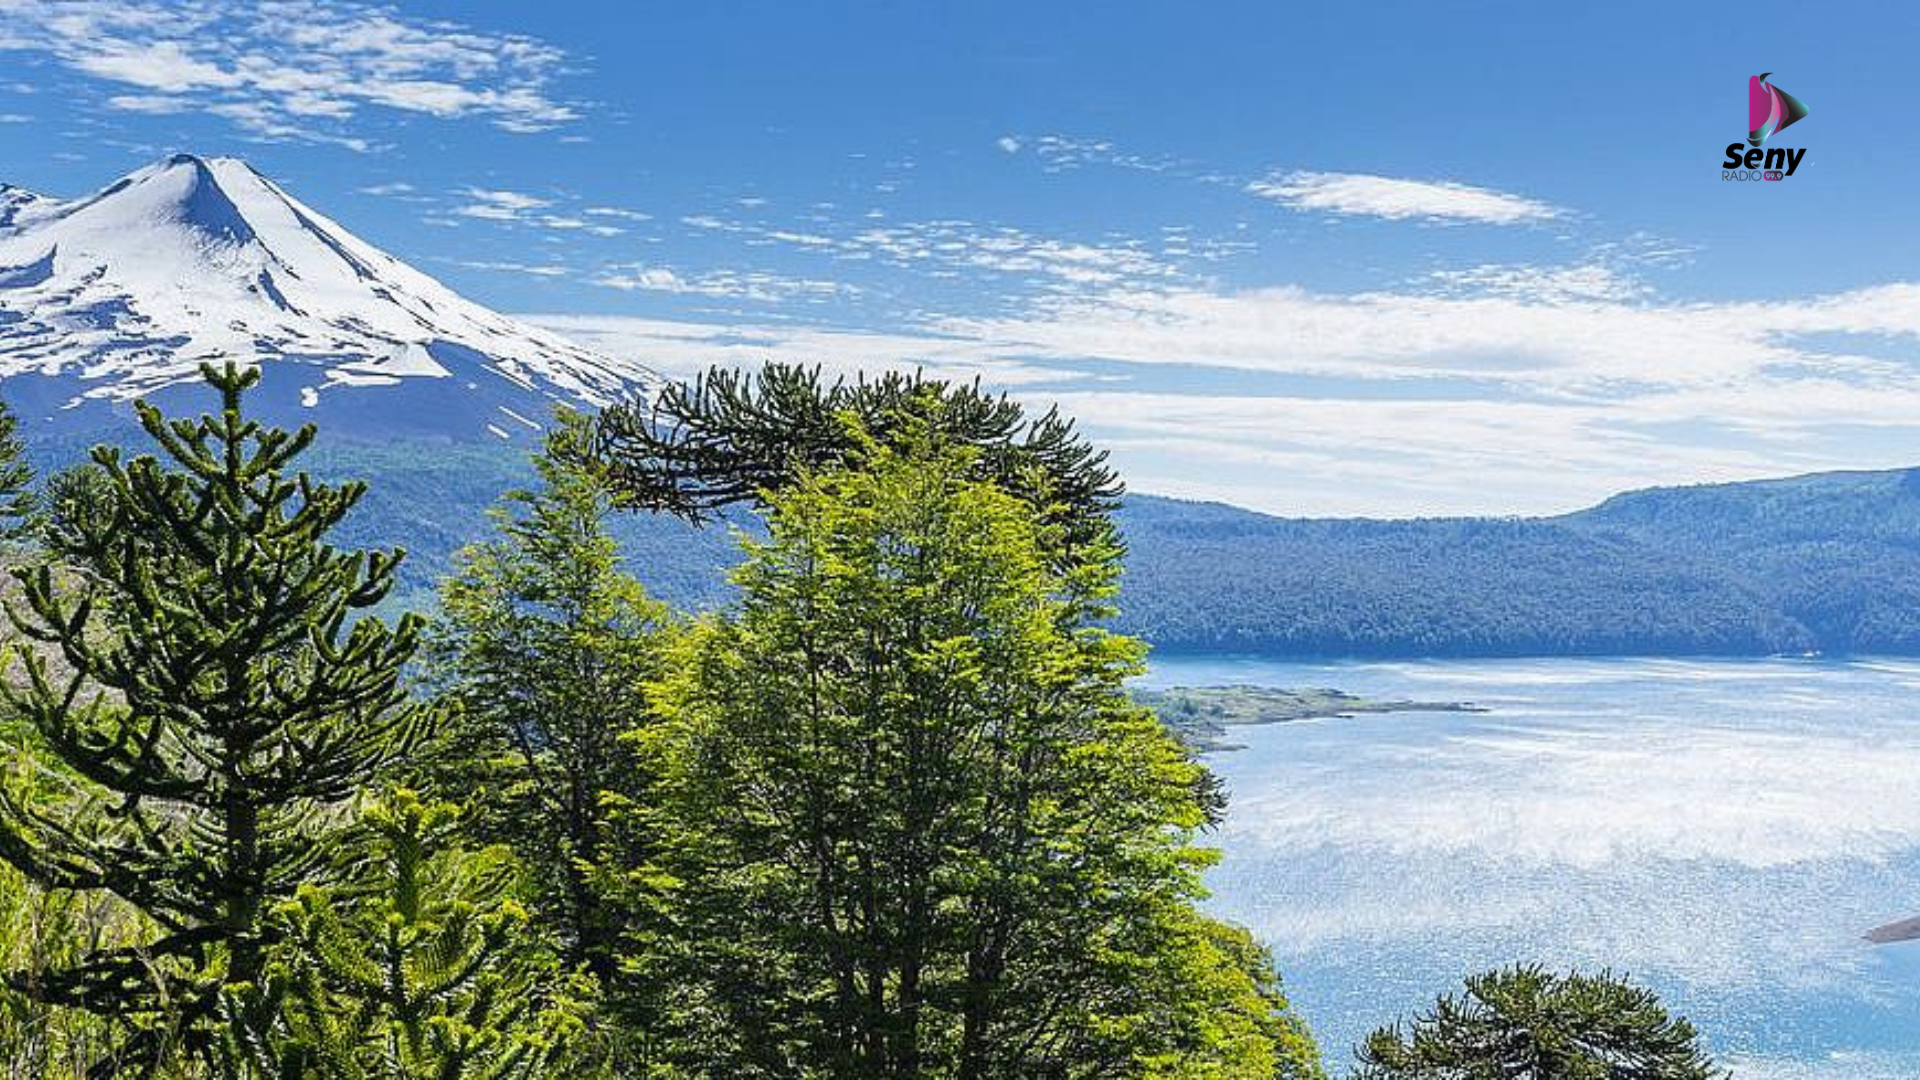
(1769, 109)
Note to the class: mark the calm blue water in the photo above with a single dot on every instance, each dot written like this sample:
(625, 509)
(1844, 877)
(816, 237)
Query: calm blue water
(1724, 831)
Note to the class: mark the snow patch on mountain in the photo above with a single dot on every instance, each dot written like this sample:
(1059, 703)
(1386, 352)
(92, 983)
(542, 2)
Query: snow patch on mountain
(126, 292)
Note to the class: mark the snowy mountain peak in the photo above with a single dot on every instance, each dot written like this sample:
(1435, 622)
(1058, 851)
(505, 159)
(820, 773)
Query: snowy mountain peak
(126, 292)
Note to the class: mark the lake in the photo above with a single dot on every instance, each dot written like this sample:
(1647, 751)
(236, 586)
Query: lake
(1724, 831)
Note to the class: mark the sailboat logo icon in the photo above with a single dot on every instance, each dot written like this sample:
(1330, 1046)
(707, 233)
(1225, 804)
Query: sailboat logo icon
(1769, 109)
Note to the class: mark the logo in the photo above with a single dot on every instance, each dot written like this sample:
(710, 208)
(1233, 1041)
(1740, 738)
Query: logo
(1770, 110)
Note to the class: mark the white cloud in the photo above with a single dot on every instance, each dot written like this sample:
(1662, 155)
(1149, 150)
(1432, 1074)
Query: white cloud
(1393, 198)
(950, 248)
(511, 201)
(1543, 284)
(616, 212)
(534, 211)
(1063, 153)
(1516, 390)
(752, 285)
(151, 104)
(1008, 144)
(682, 349)
(165, 66)
(538, 270)
(294, 69)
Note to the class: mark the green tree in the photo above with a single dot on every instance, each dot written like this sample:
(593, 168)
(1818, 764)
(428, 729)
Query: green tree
(1529, 1024)
(728, 438)
(432, 971)
(921, 829)
(548, 644)
(199, 675)
(16, 480)
(74, 494)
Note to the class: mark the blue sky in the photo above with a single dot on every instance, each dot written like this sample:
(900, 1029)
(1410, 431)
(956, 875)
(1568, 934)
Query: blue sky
(1391, 259)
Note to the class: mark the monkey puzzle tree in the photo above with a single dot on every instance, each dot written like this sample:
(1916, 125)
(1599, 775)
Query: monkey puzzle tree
(1529, 1024)
(433, 972)
(197, 667)
(16, 480)
(729, 438)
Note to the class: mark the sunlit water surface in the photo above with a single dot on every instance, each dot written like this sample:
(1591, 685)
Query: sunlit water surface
(1724, 831)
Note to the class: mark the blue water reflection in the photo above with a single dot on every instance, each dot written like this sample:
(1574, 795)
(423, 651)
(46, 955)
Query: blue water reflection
(1724, 831)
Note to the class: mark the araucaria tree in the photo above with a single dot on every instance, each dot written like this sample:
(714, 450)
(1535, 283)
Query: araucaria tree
(198, 664)
(1530, 1024)
(921, 830)
(16, 480)
(434, 972)
(727, 438)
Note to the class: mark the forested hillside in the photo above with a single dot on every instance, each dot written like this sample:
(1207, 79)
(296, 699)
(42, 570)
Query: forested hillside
(1206, 577)
(1824, 563)
(1837, 553)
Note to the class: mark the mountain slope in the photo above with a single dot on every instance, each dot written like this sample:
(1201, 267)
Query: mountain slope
(124, 293)
(1204, 577)
(1827, 562)
(1838, 553)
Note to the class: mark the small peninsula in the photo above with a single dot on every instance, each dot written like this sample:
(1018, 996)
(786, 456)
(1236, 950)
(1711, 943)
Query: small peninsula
(1200, 715)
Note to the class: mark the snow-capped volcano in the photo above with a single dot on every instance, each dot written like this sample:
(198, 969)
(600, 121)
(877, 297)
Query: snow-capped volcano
(125, 293)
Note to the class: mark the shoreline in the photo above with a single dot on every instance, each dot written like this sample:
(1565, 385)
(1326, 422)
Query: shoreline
(1200, 715)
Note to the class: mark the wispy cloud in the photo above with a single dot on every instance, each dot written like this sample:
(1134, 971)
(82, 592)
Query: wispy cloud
(758, 286)
(294, 69)
(537, 270)
(1064, 153)
(520, 208)
(680, 349)
(1511, 390)
(1540, 284)
(499, 205)
(616, 212)
(388, 190)
(1360, 194)
(150, 104)
(1339, 193)
(949, 248)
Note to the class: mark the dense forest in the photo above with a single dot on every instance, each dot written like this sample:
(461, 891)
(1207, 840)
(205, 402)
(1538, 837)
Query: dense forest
(1825, 563)
(888, 811)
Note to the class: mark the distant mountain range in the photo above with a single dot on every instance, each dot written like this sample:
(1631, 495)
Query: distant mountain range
(1828, 563)
(436, 400)
(1824, 563)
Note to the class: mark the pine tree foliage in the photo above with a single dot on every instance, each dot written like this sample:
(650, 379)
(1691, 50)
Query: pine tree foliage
(432, 972)
(76, 494)
(547, 645)
(198, 673)
(16, 480)
(922, 831)
(1527, 1023)
(729, 437)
